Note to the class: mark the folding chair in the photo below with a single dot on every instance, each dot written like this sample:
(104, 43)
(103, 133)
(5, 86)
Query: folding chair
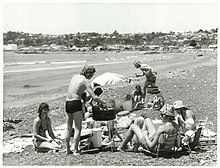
(188, 143)
(166, 144)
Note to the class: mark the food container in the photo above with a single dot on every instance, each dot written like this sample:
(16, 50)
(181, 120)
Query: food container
(97, 137)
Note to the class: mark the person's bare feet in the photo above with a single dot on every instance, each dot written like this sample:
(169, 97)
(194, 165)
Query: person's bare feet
(121, 149)
(76, 153)
(69, 152)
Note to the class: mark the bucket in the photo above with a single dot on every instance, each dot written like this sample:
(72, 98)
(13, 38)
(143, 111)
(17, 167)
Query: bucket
(97, 137)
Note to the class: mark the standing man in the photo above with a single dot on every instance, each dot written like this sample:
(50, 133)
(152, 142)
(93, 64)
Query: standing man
(78, 84)
(149, 73)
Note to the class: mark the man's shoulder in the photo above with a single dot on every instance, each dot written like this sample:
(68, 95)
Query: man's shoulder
(79, 78)
(145, 66)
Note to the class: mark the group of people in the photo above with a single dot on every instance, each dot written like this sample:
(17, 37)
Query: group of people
(146, 133)
(176, 118)
(74, 114)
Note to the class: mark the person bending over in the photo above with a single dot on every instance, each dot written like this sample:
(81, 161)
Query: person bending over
(149, 73)
(148, 136)
(78, 84)
(41, 124)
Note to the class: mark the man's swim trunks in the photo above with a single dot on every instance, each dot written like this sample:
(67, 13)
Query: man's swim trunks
(73, 106)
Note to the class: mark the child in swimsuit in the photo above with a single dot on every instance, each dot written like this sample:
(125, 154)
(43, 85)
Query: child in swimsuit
(41, 124)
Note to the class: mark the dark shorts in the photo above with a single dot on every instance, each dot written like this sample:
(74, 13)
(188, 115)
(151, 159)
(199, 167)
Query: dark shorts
(149, 81)
(73, 106)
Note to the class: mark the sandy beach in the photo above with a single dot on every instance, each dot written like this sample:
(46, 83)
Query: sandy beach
(180, 76)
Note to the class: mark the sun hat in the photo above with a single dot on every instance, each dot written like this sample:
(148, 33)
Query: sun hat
(167, 110)
(178, 104)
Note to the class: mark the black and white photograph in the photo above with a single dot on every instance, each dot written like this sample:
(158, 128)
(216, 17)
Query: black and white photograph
(144, 75)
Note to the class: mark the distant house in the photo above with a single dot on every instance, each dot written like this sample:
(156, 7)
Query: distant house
(99, 48)
(10, 47)
(73, 48)
(85, 49)
(213, 46)
(153, 47)
(173, 47)
(113, 47)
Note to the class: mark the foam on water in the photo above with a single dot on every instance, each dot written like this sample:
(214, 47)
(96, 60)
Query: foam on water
(43, 62)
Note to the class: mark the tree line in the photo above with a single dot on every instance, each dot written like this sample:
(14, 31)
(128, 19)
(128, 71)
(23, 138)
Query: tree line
(94, 39)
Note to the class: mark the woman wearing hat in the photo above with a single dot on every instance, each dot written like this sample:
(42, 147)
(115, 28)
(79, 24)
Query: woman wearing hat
(185, 117)
(74, 106)
(148, 136)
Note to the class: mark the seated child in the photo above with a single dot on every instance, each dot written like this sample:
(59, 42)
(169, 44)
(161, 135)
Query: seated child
(41, 124)
(130, 105)
(157, 102)
(137, 94)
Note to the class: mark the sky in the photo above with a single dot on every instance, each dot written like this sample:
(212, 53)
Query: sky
(66, 17)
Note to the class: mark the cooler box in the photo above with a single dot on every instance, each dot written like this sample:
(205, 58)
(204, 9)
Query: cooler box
(152, 90)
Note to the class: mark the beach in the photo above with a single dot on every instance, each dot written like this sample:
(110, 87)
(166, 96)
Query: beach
(181, 76)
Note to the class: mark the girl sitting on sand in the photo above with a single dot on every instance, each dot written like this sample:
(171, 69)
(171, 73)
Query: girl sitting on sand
(41, 124)
(137, 94)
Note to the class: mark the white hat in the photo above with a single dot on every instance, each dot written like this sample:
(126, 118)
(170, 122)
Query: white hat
(178, 104)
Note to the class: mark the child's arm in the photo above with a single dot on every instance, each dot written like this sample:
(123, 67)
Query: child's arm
(50, 131)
